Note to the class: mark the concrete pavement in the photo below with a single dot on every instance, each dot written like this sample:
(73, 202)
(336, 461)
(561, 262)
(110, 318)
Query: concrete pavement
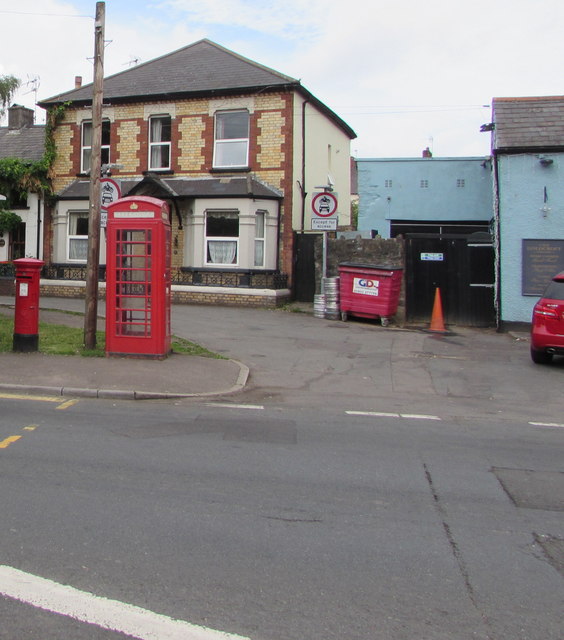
(178, 375)
(294, 357)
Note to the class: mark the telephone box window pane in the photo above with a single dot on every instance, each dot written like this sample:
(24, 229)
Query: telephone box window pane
(133, 282)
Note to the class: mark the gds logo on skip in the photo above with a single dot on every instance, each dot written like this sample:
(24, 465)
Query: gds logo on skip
(366, 286)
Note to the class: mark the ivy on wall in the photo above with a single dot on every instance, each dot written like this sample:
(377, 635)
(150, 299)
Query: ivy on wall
(18, 177)
(8, 220)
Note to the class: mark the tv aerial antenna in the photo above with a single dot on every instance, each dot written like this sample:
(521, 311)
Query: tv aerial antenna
(33, 83)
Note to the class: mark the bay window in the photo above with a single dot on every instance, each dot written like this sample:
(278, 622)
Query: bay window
(222, 237)
(260, 219)
(231, 148)
(160, 128)
(78, 236)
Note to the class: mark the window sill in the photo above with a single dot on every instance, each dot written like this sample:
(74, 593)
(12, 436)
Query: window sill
(230, 169)
(159, 172)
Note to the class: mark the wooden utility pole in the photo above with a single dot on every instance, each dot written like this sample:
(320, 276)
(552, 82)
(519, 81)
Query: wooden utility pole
(93, 258)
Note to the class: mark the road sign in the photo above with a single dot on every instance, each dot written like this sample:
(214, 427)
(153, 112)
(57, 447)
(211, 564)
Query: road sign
(324, 224)
(109, 192)
(324, 204)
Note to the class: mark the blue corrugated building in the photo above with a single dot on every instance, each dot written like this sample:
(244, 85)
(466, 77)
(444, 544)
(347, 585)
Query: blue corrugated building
(424, 195)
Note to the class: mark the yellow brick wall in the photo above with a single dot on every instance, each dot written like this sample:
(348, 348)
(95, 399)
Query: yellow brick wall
(127, 147)
(63, 166)
(191, 117)
(191, 143)
(269, 101)
(270, 139)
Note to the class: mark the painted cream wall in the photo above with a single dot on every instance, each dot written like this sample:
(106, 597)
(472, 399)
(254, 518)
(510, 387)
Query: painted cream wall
(327, 154)
(194, 230)
(60, 225)
(29, 217)
(33, 226)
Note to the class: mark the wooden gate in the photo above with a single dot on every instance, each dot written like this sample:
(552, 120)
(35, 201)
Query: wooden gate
(462, 267)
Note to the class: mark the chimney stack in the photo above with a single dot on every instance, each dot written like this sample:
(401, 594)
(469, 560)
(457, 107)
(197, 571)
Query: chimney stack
(19, 117)
(77, 82)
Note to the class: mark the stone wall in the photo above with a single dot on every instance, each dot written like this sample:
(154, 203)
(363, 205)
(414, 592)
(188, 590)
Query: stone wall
(382, 252)
(373, 251)
(218, 296)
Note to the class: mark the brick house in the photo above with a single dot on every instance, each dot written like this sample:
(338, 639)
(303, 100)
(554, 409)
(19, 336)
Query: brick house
(234, 147)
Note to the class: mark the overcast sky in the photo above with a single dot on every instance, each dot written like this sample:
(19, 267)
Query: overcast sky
(404, 74)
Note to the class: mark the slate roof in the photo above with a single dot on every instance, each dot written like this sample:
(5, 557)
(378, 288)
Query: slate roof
(26, 143)
(203, 68)
(181, 188)
(525, 124)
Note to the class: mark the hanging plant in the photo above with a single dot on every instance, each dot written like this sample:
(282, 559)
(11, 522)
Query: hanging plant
(9, 220)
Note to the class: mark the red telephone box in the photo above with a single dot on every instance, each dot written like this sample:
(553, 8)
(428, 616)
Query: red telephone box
(26, 315)
(138, 278)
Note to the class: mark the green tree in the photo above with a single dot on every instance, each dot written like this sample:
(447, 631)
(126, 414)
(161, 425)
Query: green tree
(8, 86)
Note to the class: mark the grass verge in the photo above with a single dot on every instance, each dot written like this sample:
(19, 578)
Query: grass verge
(58, 339)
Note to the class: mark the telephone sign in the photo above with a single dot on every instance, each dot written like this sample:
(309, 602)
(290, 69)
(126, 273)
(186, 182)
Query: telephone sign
(324, 204)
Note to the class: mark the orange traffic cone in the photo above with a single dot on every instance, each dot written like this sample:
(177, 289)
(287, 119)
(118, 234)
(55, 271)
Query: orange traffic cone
(437, 322)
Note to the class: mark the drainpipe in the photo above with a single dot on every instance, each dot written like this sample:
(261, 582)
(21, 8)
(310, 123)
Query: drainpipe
(278, 239)
(302, 186)
(497, 241)
(38, 226)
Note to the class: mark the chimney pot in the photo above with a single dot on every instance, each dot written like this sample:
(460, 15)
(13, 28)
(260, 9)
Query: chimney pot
(77, 82)
(19, 117)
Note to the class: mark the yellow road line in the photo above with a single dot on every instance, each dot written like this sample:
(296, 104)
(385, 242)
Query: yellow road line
(4, 444)
(31, 427)
(22, 396)
(67, 404)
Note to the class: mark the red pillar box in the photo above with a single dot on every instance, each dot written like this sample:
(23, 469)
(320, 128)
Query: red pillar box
(138, 278)
(369, 291)
(26, 316)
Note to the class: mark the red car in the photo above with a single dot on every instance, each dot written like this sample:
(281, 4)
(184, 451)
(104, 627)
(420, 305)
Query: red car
(547, 330)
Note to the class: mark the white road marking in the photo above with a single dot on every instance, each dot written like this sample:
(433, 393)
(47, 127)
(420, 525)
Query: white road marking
(415, 416)
(101, 612)
(380, 414)
(235, 406)
(547, 424)
(377, 414)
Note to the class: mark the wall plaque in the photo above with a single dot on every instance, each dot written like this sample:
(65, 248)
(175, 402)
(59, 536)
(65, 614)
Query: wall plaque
(542, 259)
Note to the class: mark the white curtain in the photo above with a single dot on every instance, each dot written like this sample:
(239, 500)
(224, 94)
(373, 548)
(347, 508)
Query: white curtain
(78, 249)
(156, 149)
(259, 253)
(222, 251)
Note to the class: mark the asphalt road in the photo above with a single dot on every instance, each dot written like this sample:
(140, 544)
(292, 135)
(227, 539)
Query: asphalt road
(282, 522)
